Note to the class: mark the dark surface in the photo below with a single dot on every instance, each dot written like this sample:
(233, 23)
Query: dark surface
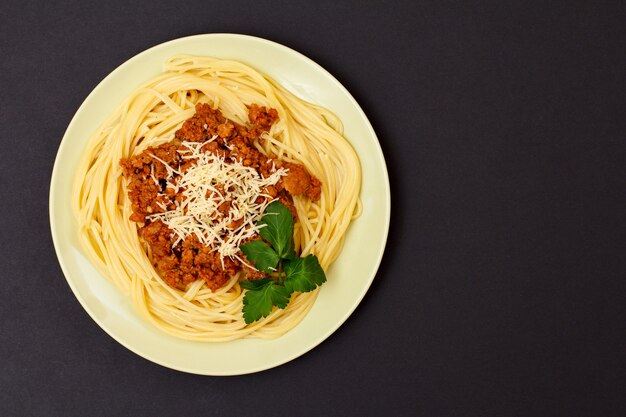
(502, 290)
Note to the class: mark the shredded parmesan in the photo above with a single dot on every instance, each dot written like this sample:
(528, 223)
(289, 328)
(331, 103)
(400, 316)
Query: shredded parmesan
(206, 186)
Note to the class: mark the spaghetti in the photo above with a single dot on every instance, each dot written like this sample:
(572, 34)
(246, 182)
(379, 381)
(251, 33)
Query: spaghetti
(304, 134)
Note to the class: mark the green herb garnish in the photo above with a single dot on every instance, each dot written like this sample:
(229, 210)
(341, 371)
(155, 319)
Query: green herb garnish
(276, 226)
(290, 273)
(304, 274)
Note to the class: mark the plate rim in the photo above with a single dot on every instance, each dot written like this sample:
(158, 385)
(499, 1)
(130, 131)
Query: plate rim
(53, 213)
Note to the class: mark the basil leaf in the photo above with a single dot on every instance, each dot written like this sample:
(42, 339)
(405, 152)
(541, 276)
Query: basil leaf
(304, 274)
(276, 227)
(261, 255)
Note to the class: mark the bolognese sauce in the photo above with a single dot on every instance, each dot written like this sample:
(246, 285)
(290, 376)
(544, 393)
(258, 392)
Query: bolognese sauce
(156, 188)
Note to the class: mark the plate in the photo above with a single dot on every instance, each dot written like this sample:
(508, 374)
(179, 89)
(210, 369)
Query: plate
(348, 278)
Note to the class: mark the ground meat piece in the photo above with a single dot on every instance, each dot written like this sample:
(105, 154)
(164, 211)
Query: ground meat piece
(172, 278)
(315, 189)
(157, 235)
(299, 182)
(225, 130)
(197, 262)
(167, 263)
(146, 180)
(270, 190)
(246, 153)
(202, 125)
(261, 118)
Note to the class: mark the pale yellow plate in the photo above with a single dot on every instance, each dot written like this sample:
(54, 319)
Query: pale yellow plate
(348, 278)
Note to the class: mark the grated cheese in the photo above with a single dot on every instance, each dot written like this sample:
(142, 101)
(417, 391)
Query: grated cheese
(214, 181)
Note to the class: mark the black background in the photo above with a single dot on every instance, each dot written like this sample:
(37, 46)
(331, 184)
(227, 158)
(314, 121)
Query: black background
(502, 289)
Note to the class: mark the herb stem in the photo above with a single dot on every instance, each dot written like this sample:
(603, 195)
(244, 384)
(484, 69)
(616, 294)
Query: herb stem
(280, 272)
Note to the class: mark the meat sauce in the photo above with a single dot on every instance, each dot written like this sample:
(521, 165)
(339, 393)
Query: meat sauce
(189, 260)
